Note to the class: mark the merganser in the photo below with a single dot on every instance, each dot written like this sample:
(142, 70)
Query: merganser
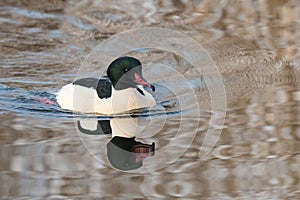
(120, 91)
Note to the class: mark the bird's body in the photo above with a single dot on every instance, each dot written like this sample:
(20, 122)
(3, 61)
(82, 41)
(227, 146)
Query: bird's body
(116, 93)
(85, 99)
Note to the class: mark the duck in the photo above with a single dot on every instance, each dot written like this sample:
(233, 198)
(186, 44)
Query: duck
(122, 90)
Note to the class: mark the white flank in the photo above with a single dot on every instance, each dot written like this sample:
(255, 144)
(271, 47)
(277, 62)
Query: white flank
(82, 99)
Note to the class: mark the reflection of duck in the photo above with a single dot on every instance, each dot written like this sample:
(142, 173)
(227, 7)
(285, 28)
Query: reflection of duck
(119, 92)
(94, 127)
(127, 154)
(123, 151)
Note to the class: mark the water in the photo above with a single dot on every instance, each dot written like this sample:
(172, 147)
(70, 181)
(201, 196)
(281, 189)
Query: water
(255, 46)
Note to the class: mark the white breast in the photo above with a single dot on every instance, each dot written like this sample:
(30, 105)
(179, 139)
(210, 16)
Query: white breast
(81, 99)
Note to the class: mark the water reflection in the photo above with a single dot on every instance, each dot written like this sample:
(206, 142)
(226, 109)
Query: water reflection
(256, 47)
(124, 152)
(94, 127)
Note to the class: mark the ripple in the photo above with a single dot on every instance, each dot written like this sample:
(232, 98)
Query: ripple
(43, 104)
(5, 10)
(26, 13)
(257, 155)
(27, 103)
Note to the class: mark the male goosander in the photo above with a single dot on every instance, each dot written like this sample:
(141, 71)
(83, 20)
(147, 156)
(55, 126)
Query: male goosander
(120, 91)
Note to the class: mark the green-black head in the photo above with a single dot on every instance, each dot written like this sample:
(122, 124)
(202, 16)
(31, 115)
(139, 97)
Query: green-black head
(126, 72)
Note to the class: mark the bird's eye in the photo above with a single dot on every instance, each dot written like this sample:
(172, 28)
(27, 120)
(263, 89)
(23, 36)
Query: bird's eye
(126, 70)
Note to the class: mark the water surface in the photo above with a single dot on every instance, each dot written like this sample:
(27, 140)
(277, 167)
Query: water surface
(255, 46)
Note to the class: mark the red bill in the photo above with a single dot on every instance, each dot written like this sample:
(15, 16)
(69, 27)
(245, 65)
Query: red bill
(139, 80)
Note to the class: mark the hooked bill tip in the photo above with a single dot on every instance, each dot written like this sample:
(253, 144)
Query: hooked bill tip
(153, 88)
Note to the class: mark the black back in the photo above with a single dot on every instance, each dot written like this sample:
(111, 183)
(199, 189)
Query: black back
(103, 86)
(87, 82)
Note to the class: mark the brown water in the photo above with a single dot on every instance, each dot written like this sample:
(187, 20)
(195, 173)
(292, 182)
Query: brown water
(256, 48)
